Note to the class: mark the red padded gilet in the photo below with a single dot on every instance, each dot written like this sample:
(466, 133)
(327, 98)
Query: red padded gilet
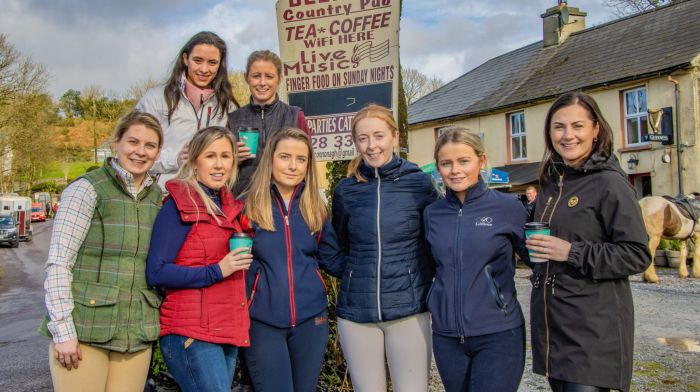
(218, 313)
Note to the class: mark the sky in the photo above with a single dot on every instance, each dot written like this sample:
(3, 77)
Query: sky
(118, 44)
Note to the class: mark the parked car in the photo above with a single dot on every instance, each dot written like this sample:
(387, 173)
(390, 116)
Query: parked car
(8, 231)
(38, 213)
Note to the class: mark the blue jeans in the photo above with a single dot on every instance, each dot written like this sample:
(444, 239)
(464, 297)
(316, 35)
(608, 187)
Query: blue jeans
(492, 362)
(199, 366)
(287, 359)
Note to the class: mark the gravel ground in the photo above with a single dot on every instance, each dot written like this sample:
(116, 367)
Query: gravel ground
(667, 330)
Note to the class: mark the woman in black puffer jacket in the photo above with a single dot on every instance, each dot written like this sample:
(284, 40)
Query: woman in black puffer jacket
(581, 308)
(377, 214)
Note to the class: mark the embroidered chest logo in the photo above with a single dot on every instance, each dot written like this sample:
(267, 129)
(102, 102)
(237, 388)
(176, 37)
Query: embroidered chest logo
(484, 221)
(573, 201)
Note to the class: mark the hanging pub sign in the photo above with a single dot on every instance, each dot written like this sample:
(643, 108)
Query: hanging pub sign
(661, 123)
(337, 57)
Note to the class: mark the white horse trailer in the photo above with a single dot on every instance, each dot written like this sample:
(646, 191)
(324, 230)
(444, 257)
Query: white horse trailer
(21, 208)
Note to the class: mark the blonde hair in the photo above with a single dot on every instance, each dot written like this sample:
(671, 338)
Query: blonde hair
(460, 135)
(188, 171)
(258, 205)
(370, 111)
(136, 117)
(264, 55)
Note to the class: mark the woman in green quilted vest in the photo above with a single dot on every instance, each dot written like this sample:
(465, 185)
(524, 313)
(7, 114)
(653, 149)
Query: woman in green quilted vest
(102, 315)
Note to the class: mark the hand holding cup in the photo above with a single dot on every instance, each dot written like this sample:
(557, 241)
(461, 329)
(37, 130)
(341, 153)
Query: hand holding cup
(236, 260)
(542, 246)
(243, 151)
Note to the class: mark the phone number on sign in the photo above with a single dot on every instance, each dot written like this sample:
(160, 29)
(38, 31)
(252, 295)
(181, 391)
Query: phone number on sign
(333, 147)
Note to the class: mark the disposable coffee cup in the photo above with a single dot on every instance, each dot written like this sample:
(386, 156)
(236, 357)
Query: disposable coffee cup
(240, 240)
(249, 136)
(536, 228)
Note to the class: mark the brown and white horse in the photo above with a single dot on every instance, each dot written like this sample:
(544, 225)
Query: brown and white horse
(663, 219)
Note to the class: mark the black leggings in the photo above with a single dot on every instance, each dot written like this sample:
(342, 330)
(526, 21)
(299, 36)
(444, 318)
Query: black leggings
(565, 386)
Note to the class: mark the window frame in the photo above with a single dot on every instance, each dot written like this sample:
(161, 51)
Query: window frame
(521, 134)
(639, 115)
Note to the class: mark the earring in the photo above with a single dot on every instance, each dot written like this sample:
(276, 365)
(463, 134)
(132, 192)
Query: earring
(595, 140)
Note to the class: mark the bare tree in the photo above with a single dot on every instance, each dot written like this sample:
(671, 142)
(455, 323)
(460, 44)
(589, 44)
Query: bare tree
(628, 7)
(137, 90)
(18, 74)
(19, 79)
(28, 136)
(416, 84)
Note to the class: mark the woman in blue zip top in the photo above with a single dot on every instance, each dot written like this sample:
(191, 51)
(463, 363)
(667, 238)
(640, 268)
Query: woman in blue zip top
(377, 214)
(473, 234)
(287, 295)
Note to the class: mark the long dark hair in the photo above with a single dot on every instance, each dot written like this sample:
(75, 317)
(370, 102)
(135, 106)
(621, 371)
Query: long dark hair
(220, 84)
(602, 147)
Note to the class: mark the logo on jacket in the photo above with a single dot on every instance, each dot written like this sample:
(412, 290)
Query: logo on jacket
(484, 221)
(573, 201)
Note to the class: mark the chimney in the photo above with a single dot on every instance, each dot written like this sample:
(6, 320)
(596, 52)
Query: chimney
(560, 21)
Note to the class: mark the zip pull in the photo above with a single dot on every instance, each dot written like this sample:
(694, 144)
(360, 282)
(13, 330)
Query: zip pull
(286, 220)
(208, 115)
(461, 339)
(262, 113)
(561, 181)
(460, 212)
(546, 207)
(376, 172)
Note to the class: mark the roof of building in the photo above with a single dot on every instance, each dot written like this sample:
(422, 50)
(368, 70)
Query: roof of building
(521, 173)
(625, 49)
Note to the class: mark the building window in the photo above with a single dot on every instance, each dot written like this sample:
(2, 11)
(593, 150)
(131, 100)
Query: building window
(518, 142)
(636, 116)
(440, 130)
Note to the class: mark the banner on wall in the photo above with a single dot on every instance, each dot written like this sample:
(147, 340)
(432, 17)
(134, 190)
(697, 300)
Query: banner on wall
(337, 57)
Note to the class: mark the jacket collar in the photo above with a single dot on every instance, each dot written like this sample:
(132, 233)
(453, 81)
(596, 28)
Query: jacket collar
(595, 162)
(391, 169)
(267, 108)
(296, 195)
(192, 208)
(473, 192)
(125, 180)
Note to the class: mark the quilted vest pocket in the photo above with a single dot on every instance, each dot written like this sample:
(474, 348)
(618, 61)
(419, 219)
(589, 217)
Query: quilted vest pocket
(96, 311)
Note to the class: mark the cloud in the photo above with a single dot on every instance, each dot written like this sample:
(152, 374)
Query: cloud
(115, 44)
(447, 38)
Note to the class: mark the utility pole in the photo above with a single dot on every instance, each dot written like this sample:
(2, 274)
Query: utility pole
(403, 108)
(679, 146)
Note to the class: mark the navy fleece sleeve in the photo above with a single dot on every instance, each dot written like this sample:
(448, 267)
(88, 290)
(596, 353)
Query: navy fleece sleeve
(340, 220)
(331, 258)
(169, 233)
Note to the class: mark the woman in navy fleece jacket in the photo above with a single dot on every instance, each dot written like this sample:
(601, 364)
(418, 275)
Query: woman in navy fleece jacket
(473, 232)
(287, 295)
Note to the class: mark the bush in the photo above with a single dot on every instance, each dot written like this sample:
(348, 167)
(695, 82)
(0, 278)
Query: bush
(334, 372)
(47, 186)
(675, 245)
(663, 245)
